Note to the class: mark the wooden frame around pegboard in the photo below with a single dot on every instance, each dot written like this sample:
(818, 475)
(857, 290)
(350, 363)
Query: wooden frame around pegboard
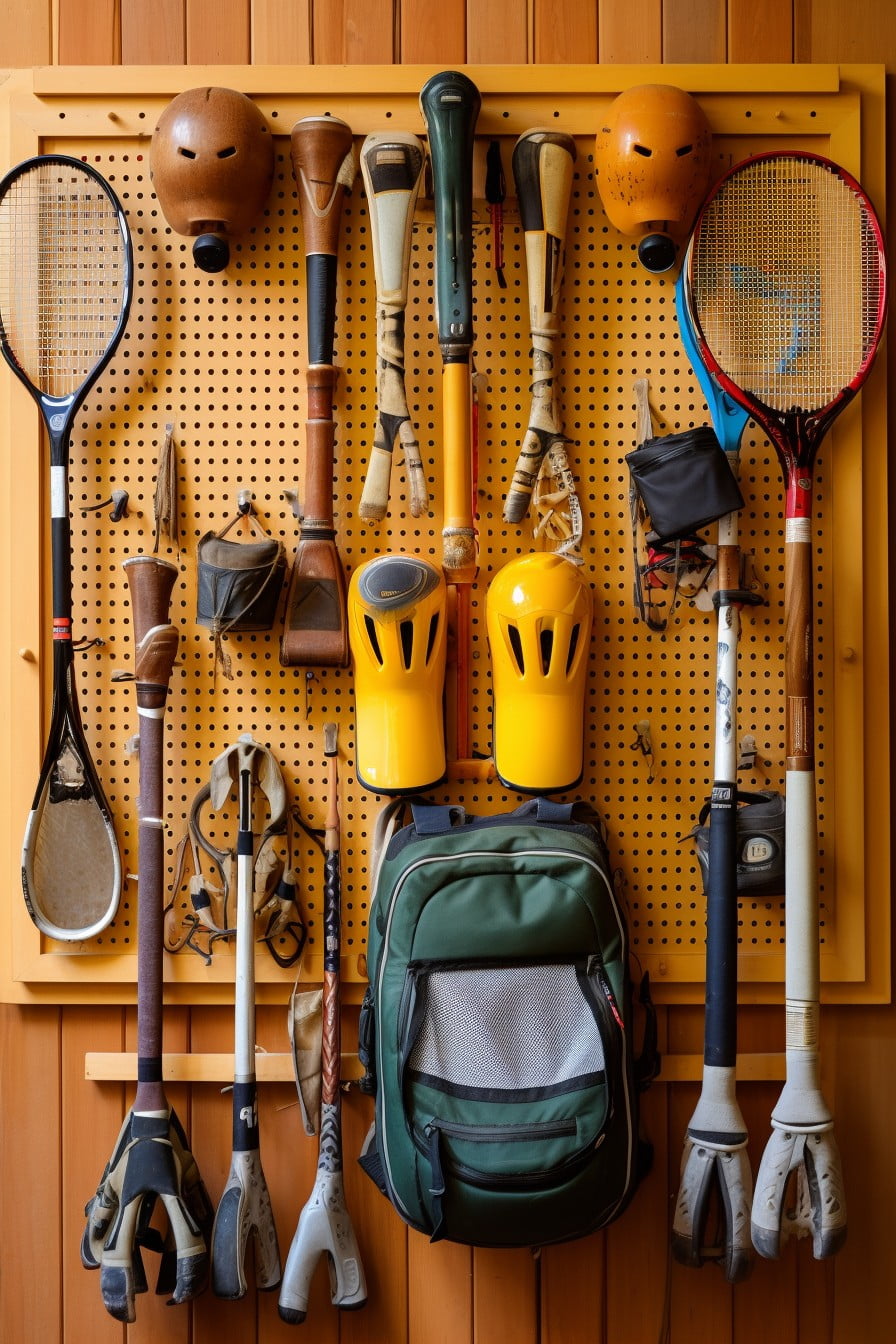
(222, 359)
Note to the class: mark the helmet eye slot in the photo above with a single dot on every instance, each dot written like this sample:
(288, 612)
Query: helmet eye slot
(374, 642)
(229, 152)
(546, 645)
(433, 631)
(187, 153)
(516, 645)
(573, 644)
(643, 151)
(406, 632)
(685, 149)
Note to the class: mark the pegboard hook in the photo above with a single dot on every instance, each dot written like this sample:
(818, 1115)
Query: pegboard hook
(119, 502)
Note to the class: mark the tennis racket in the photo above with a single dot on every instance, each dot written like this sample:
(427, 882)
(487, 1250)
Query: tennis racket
(785, 286)
(65, 290)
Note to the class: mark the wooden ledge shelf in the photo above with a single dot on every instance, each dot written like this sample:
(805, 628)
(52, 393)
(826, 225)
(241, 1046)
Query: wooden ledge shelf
(278, 1068)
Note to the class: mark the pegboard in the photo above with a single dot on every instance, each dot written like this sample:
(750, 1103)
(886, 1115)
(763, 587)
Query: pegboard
(222, 358)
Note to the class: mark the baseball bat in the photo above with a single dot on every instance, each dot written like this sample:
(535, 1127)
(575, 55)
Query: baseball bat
(392, 169)
(542, 168)
(315, 633)
(325, 1226)
(450, 105)
(152, 1160)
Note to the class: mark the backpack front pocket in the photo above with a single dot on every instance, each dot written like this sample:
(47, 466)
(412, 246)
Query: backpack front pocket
(505, 1069)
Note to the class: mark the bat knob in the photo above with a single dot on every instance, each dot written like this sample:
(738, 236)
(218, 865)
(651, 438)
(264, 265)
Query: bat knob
(211, 253)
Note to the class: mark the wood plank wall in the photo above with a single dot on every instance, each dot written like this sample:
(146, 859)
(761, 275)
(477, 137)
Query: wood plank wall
(56, 1130)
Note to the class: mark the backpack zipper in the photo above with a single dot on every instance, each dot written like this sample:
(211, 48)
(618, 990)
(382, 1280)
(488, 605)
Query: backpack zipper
(496, 1180)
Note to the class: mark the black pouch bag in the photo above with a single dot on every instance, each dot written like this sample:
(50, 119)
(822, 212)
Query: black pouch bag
(239, 582)
(684, 482)
(760, 843)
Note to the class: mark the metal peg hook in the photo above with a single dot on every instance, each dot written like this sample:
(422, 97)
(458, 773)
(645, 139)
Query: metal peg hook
(119, 502)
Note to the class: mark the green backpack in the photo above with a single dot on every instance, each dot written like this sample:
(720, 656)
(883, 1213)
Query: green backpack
(497, 1028)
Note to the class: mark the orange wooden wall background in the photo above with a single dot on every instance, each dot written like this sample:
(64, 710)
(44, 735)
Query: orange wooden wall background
(56, 1130)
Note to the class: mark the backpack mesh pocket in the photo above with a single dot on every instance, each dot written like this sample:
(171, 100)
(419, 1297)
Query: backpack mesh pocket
(505, 1028)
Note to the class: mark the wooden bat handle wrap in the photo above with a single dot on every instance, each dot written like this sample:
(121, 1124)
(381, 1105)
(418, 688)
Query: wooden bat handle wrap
(320, 436)
(323, 164)
(150, 582)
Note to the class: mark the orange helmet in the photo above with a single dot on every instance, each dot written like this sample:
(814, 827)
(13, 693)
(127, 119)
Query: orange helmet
(652, 163)
(212, 164)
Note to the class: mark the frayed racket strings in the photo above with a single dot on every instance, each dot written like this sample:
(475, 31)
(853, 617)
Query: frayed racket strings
(786, 282)
(62, 274)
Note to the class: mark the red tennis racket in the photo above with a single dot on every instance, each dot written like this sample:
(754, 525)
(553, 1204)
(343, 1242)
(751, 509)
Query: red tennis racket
(785, 285)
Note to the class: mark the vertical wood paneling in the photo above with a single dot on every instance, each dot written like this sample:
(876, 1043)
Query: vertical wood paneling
(31, 1178)
(563, 33)
(26, 34)
(216, 33)
(281, 32)
(89, 32)
(695, 30)
(573, 1292)
(433, 32)
(91, 1120)
(505, 1296)
(498, 33)
(440, 1292)
(352, 32)
(862, 30)
(760, 31)
(153, 34)
(630, 34)
(638, 1245)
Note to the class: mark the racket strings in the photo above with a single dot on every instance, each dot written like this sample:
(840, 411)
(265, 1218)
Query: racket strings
(62, 275)
(786, 282)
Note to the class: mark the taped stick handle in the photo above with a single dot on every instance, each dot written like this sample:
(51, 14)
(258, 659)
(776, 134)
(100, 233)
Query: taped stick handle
(392, 170)
(542, 162)
(450, 104)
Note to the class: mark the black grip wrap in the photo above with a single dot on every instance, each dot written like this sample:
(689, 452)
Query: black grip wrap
(331, 912)
(450, 104)
(149, 1069)
(720, 1044)
(245, 1117)
(320, 273)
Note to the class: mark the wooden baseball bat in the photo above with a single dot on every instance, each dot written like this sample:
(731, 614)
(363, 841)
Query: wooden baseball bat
(450, 105)
(542, 168)
(392, 169)
(325, 1226)
(152, 1160)
(315, 633)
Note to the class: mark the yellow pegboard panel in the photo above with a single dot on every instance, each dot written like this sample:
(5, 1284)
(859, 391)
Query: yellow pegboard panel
(222, 358)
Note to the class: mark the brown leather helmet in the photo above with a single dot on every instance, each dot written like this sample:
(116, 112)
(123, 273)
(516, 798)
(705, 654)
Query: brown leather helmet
(652, 160)
(212, 164)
